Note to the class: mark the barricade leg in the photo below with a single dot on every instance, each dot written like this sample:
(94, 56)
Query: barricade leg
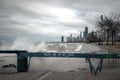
(99, 66)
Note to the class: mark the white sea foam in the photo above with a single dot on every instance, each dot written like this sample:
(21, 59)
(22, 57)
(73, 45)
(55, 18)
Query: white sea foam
(24, 44)
(78, 48)
(57, 64)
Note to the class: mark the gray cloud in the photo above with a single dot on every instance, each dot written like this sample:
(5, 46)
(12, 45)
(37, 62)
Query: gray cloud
(49, 19)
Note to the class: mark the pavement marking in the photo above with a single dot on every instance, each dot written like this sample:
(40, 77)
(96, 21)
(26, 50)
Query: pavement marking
(45, 75)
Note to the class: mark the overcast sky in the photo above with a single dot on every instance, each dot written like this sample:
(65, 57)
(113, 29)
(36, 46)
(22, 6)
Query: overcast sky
(47, 20)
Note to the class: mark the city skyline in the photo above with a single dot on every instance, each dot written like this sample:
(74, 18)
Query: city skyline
(81, 37)
(47, 20)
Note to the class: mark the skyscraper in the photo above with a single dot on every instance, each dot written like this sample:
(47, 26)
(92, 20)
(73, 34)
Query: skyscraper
(86, 32)
(62, 38)
(80, 34)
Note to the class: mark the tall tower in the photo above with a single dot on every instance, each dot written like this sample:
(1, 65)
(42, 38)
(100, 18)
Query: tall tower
(86, 32)
(80, 34)
(62, 38)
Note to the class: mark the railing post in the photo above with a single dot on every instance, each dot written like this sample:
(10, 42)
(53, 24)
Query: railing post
(22, 62)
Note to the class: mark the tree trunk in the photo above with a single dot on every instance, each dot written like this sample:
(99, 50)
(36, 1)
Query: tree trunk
(112, 39)
(107, 38)
(115, 39)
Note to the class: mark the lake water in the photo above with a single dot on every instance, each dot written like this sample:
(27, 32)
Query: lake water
(54, 64)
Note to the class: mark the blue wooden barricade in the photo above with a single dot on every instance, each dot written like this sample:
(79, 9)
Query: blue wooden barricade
(24, 57)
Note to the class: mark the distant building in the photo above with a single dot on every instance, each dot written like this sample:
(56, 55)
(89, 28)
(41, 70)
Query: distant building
(86, 32)
(71, 39)
(80, 38)
(80, 34)
(62, 38)
(75, 39)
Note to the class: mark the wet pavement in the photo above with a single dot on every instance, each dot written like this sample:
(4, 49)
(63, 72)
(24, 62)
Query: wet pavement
(65, 68)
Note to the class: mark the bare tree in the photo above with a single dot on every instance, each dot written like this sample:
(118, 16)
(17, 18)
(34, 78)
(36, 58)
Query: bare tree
(109, 27)
(103, 29)
(92, 37)
(100, 36)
